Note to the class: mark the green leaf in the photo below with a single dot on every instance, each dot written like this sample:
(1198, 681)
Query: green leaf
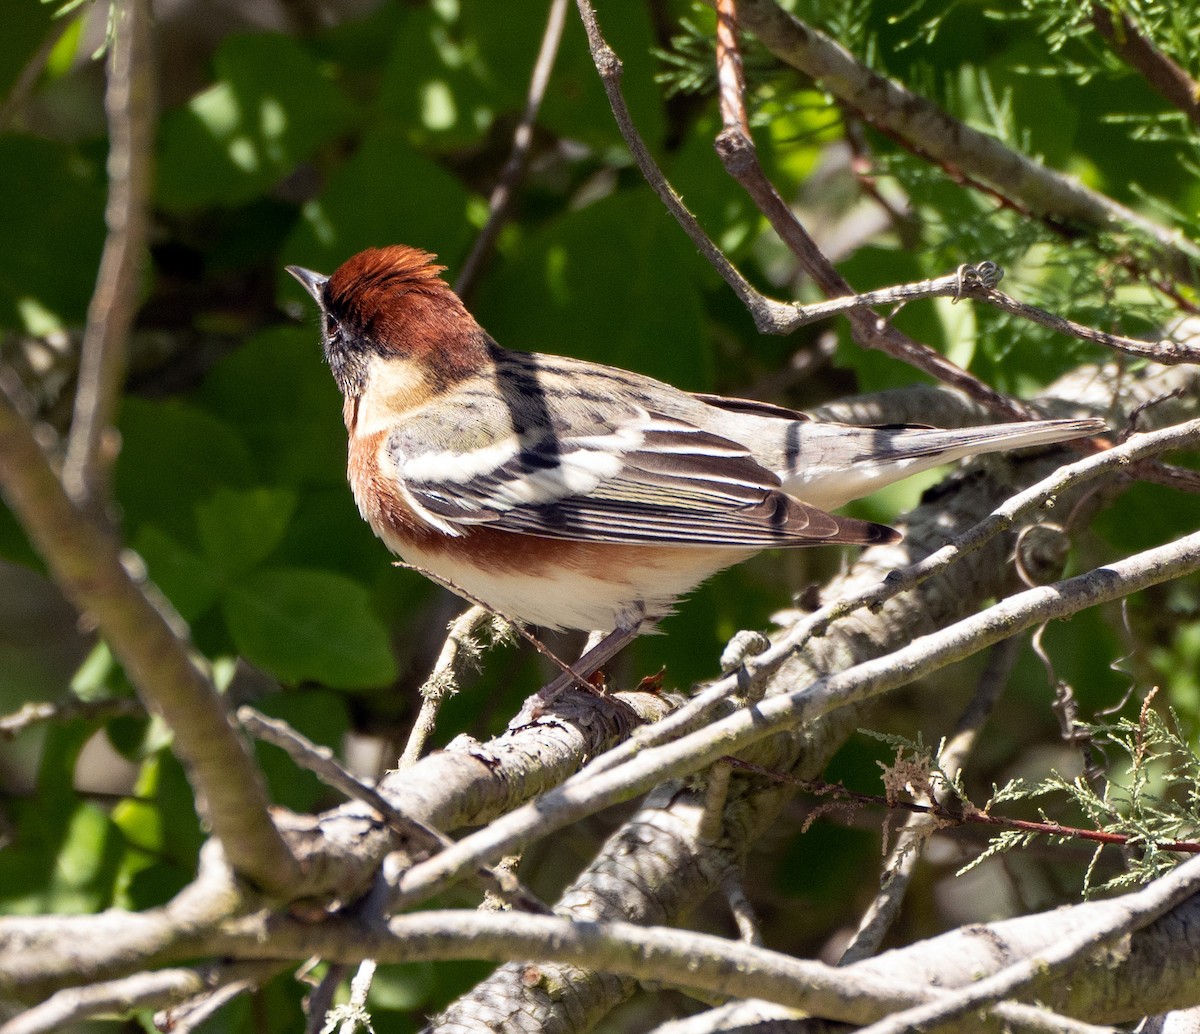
(162, 834)
(240, 529)
(436, 83)
(52, 236)
(60, 855)
(309, 625)
(270, 109)
(186, 578)
(321, 716)
(614, 282)
(366, 205)
(173, 456)
(278, 390)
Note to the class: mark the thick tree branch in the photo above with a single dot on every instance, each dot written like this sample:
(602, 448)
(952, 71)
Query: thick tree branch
(1125, 915)
(586, 794)
(88, 566)
(864, 992)
(468, 783)
(40, 955)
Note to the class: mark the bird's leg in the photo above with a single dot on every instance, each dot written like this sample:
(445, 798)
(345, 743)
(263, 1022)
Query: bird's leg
(595, 655)
(594, 639)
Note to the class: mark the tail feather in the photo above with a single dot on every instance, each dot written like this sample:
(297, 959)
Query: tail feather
(838, 463)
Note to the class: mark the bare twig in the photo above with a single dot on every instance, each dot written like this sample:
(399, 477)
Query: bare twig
(356, 1009)
(741, 908)
(716, 794)
(767, 313)
(319, 1001)
(90, 569)
(192, 1015)
(67, 710)
(731, 78)
(902, 860)
(319, 760)
(965, 816)
(143, 991)
(922, 126)
(129, 102)
(1163, 75)
(1166, 351)
(1130, 912)
(502, 194)
(736, 149)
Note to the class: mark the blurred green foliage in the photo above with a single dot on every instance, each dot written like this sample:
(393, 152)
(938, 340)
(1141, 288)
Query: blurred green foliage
(305, 145)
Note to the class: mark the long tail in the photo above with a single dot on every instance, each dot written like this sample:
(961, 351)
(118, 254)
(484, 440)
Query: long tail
(838, 462)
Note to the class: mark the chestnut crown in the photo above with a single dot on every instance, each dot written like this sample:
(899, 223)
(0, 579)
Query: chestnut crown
(392, 302)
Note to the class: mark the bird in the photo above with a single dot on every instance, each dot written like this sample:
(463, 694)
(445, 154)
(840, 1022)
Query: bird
(572, 495)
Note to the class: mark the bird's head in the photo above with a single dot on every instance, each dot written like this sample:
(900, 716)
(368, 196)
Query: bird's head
(390, 303)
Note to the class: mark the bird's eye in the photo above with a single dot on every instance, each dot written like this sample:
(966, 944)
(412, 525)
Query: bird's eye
(331, 326)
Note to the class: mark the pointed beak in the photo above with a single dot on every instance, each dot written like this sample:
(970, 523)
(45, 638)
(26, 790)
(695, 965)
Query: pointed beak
(313, 283)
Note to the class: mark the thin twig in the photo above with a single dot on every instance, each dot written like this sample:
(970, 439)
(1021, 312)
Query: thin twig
(355, 1010)
(514, 168)
(766, 312)
(319, 1001)
(731, 76)
(923, 127)
(14, 724)
(443, 680)
(735, 146)
(967, 815)
(319, 760)
(902, 860)
(1165, 351)
(141, 991)
(129, 103)
(194, 1014)
(741, 908)
(1163, 75)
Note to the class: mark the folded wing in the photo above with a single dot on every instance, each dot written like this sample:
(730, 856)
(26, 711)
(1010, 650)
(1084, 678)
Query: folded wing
(634, 478)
